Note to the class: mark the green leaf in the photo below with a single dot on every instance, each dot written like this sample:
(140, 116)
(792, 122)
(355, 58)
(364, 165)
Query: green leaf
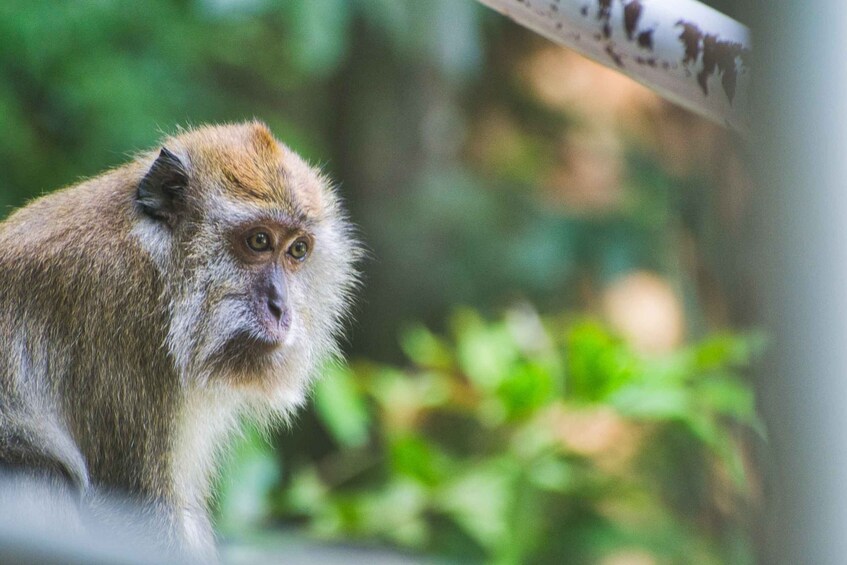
(653, 402)
(728, 350)
(306, 493)
(424, 348)
(485, 353)
(249, 475)
(728, 396)
(414, 456)
(479, 500)
(396, 512)
(552, 473)
(598, 364)
(528, 387)
(401, 397)
(341, 408)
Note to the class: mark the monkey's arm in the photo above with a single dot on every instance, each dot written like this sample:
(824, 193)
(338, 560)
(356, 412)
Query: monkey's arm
(39, 447)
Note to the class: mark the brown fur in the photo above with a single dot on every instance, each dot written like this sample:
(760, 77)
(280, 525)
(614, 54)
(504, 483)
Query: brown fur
(93, 332)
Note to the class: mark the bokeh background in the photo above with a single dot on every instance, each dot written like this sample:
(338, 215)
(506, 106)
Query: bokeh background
(550, 357)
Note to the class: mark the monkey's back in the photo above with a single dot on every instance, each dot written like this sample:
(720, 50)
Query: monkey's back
(82, 320)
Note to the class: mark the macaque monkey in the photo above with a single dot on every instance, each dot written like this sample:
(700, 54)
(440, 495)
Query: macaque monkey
(145, 311)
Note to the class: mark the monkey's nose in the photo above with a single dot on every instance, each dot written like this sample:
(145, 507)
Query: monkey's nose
(279, 311)
(276, 308)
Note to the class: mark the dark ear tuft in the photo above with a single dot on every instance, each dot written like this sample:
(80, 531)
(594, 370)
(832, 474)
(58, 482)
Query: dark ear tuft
(160, 191)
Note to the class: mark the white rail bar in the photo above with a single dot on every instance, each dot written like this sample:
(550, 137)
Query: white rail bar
(685, 51)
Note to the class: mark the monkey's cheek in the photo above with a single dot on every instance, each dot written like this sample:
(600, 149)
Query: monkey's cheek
(291, 332)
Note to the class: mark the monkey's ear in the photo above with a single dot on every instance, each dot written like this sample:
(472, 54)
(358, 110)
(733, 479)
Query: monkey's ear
(160, 191)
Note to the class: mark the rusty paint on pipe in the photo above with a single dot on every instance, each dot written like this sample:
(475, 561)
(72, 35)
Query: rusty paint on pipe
(681, 49)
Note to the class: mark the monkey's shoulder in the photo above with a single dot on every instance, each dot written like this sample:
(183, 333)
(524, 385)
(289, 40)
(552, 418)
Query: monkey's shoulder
(75, 245)
(77, 211)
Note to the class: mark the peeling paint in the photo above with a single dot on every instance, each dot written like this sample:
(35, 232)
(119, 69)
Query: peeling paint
(721, 55)
(690, 38)
(649, 61)
(645, 39)
(604, 14)
(718, 57)
(615, 56)
(631, 15)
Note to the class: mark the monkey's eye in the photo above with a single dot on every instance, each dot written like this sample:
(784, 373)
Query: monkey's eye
(259, 241)
(299, 249)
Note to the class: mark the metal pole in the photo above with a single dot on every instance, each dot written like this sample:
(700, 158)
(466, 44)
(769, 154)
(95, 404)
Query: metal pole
(683, 50)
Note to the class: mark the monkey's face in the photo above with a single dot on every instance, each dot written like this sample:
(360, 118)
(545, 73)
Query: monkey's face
(260, 259)
(271, 252)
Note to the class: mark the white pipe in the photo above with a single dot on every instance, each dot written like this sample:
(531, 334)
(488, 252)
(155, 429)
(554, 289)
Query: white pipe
(685, 51)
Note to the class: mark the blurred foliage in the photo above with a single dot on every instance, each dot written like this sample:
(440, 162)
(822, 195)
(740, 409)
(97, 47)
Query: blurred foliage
(525, 440)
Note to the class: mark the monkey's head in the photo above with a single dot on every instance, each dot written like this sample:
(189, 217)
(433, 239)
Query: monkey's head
(256, 257)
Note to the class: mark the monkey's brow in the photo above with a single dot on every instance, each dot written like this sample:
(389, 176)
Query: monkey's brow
(292, 212)
(293, 217)
(250, 190)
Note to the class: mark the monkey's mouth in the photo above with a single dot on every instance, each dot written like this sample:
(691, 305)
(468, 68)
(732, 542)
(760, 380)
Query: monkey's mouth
(248, 351)
(259, 343)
